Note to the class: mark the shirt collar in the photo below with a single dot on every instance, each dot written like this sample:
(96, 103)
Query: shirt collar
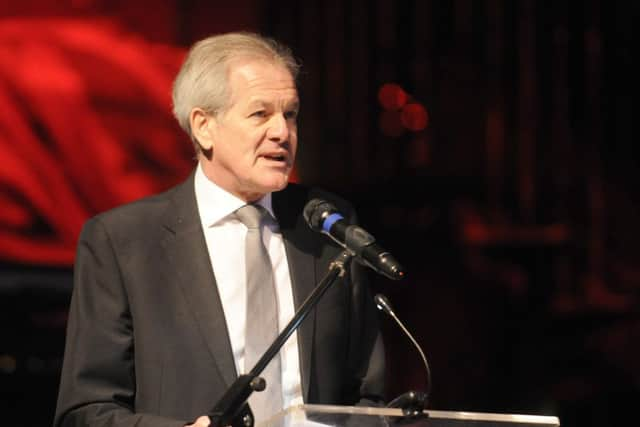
(215, 203)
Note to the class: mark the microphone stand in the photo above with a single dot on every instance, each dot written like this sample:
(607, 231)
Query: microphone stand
(232, 408)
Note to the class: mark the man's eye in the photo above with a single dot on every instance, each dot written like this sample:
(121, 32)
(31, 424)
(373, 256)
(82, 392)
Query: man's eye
(260, 113)
(291, 114)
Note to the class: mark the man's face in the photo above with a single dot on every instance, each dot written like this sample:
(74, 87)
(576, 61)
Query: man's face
(254, 141)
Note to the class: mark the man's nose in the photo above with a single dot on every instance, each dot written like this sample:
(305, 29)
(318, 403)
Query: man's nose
(278, 128)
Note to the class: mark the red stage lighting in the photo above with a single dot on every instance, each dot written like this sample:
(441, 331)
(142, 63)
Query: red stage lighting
(392, 97)
(414, 117)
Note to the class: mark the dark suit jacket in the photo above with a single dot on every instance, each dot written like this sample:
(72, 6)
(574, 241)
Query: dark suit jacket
(147, 342)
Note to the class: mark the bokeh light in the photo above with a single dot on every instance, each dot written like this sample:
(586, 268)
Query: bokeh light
(414, 117)
(392, 97)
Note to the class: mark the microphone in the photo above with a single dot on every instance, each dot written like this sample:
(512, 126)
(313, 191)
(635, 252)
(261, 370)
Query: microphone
(411, 402)
(323, 217)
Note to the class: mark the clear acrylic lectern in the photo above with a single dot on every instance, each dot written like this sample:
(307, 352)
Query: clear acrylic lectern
(339, 416)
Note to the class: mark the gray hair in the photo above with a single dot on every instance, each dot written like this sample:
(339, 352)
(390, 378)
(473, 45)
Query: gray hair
(202, 81)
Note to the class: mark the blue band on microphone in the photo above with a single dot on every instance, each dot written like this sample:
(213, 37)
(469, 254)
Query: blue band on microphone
(331, 219)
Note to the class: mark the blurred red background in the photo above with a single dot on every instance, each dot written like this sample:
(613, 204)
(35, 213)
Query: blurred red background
(86, 125)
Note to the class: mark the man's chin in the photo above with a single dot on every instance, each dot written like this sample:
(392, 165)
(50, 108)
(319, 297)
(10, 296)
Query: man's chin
(277, 182)
(279, 186)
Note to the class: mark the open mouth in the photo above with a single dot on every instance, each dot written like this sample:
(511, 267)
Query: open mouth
(276, 157)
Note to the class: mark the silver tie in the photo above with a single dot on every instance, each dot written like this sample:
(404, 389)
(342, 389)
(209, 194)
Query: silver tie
(262, 313)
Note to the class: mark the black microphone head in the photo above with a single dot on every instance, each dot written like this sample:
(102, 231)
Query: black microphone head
(315, 212)
(390, 267)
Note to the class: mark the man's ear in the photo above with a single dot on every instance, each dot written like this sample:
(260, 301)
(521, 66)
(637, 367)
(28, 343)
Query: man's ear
(202, 128)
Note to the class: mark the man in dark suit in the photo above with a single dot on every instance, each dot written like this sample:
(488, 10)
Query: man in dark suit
(158, 318)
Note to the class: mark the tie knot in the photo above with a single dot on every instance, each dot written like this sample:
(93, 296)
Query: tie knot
(251, 215)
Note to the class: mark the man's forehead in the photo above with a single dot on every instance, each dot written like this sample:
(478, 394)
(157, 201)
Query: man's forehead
(258, 81)
(289, 101)
(257, 70)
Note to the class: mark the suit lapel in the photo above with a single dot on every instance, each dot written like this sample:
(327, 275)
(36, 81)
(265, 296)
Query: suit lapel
(288, 205)
(190, 267)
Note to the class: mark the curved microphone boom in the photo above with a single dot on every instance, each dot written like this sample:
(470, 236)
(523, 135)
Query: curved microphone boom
(325, 218)
(411, 402)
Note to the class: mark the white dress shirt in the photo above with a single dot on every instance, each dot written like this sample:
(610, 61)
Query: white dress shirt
(225, 237)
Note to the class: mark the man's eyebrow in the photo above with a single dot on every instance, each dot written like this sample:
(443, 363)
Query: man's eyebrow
(257, 103)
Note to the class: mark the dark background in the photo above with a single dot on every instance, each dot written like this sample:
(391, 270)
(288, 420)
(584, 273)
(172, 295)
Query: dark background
(512, 202)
